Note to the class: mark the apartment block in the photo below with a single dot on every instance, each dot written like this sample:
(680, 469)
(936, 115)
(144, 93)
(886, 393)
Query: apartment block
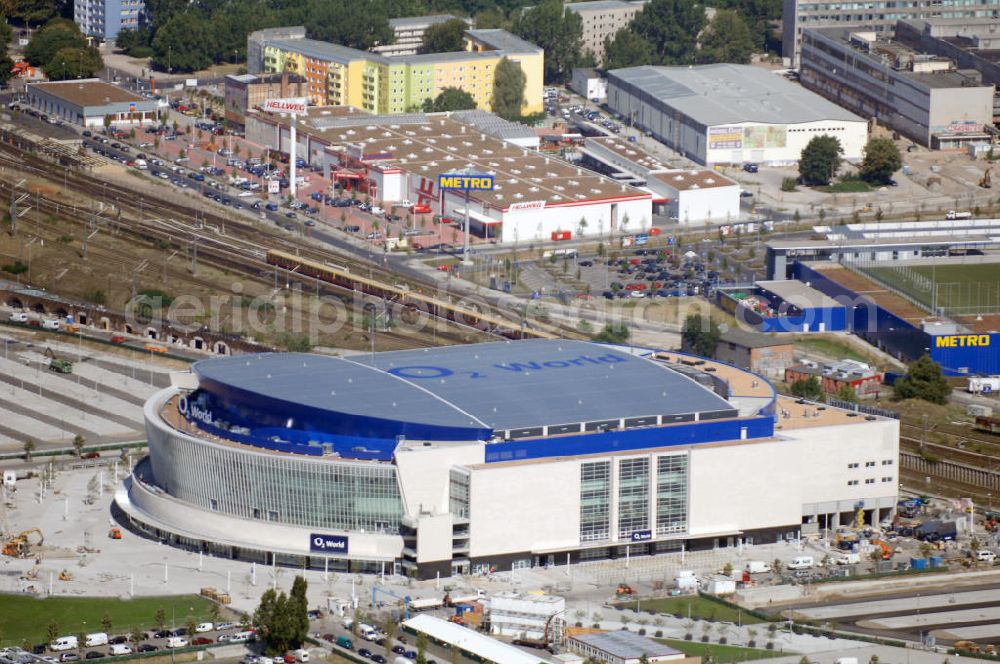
(603, 19)
(337, 75)
(103, 19)
(409, 34)
(876, 16)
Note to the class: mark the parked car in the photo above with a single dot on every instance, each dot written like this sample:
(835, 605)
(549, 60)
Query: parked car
(147, 647)
(94, 654)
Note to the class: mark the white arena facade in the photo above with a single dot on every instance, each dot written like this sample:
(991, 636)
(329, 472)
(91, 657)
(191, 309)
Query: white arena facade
(495, 456)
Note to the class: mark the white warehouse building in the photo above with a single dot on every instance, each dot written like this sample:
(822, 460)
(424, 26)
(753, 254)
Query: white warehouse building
(731, 114)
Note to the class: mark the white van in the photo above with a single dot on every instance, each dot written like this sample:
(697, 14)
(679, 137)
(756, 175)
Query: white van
(52, 324)
(204, 627)
(96, 639)
(985, 556)
(801, 562)
(19, 317)
(757, 567)
(141, 164)
(241, 637)
(301, 655)
(377, 211)
(64, 643)
(120, 649)
(176, 642)
(850, 558)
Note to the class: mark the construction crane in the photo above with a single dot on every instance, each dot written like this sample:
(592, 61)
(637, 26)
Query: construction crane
(987, 181)
(405, 600)
(19, 546)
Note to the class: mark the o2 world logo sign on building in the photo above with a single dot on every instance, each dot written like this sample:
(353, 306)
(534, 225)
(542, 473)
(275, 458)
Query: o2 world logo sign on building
(327, 543)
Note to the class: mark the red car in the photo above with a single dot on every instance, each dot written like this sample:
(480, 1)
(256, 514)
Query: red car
(443, 268)
(91, 455)
(421, 209)
(117, 339)
(201, 641)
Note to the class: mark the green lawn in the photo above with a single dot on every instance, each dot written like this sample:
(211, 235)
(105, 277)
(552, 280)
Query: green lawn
(720, 654)
(28, 618)
(971, 286)
(833, 348)
(846, 187)
(695, 607)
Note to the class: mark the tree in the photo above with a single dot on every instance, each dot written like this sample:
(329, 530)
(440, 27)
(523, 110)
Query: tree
(190, 624)
(807, 388)
(560, 32)
(726, 39)
(613, 333)
(106, 623)
(450, 99)
(52, 631)
(160, 618)
(627, 49)
(672, 28)
(700, 335)
(72, 63)
(445, 37)
(923, 380)
(78, 442)
(820, 160)
(185, 43)
(421, 649)
(55, 35)
(508, 89)
(846, 393)
(136, 635)
(29, 447)
(882, 159)
(6, 64)
(298, 609)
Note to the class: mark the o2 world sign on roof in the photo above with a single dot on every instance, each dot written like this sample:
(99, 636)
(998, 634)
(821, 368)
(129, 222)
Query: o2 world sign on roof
(296, 105)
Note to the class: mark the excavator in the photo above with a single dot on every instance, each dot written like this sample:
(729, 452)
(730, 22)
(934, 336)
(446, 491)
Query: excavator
(58, 364)
(20, 545)
(886, 549)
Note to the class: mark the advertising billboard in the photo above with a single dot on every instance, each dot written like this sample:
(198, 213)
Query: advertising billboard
(294, 105)
(327, 543)
(642, 536)
(725, 138)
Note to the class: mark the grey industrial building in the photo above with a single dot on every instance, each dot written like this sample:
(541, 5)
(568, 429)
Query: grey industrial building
(409, 32)
(877, 15)
(87, 102)
(925, 97)
(730, 114)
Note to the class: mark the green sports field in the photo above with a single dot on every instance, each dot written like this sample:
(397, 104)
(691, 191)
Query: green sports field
(26, 618)
(960, 289)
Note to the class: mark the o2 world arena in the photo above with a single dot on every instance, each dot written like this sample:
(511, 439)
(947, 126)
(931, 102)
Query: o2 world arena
(494, 456)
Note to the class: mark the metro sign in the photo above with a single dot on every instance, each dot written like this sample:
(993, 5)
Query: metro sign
(293, 105)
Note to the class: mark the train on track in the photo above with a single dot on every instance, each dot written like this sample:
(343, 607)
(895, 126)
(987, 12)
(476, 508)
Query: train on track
(988, 424)
(412, 301)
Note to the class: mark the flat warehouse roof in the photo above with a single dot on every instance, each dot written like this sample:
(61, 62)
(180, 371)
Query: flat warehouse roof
(503, 385)
(727, 93)
(486, 648)
(797, 293)
(89, 92)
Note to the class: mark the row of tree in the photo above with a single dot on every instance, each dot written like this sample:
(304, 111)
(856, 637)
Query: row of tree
(6, 64)
(679, 32)
(63, 51)
(823, 155)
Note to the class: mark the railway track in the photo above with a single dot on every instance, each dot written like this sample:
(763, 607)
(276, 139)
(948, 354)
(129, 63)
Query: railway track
(235, 246)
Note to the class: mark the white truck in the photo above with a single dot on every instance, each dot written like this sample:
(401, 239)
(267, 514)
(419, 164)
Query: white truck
(848, 558)
(466, 596)
(426, 603)
(953, 214)
(984, 384)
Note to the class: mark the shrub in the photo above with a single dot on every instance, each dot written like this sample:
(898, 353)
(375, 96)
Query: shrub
(659, 634)
(17, 267)
(723, 640)
(704, 638)
(687, 637)
(789, 184)
(642, 631)
(770, 645)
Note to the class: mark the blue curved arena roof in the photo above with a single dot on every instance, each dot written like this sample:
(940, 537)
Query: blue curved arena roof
(503, 386)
